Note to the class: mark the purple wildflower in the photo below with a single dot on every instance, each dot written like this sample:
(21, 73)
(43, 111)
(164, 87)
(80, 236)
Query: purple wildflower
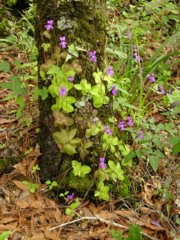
(136, 54)
(142, 84)
(141, 137)
(110, 71)
(140, 132)
(156, 223)
(63, 43)
(155, 118)
(50, 22)
(94, 121)
(169, 92)
(70, 78)
(108, 131)
(102, 164)
(93, 57)
(70, 196)
(130, 35)
(9, 13)
(49, 26)
(151, 77)
(63, 91)
(130, 121)
(114, 91)
(106, 127)
(121, 125)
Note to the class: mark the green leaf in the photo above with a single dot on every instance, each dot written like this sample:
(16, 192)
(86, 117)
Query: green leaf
(130, 155)
(19, 100)
(97, 101)
(88, 144)
(96, 193)
(159, 154)
(7, 85)
(18, 113)
(173, 140)
(139, 153)
(146, 139)
(68, 211)
(168, 127)
(114, 141)
(69, 149)
(4, 235)
(78, 86)
(157, 143)
(44, 93)
(147, 150)
(5, 67)
(72, 134)
(154, 162)
(60, 137)
(85, 169)
(176, 149)
(112, 165)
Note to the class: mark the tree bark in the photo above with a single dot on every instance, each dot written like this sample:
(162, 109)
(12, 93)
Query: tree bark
(83, 23)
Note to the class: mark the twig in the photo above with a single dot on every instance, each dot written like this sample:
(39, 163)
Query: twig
(96, 218)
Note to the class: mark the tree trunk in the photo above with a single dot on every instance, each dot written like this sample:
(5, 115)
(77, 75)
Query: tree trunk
(83, 24)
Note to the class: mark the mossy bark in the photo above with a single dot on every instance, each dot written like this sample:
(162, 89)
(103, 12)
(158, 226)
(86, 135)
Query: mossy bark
(83, 22)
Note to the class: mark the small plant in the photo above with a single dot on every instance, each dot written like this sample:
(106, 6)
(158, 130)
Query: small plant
(32, 186)
(72, 207)
(135, 233)
(51, 184)
(35, 168)
(79, 170)
(4, 235)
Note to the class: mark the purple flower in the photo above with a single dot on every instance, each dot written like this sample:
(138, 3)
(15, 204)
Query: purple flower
(161, 86)
(130, 121)
(141, 137)
(156, 223)
(70, 196)
(70, 78)
(110, 71)
(151, 77)
(49, 26)
(94, 121)
(155, 118)
(93, 57)
(114, 91)
(142, 69)
(130, 35)
(106, 127)
(108, 131)
(169, 92)
(136, 54)
(102, 159)
(121, 125)
(63, 43)
(163, 92)
(140, 132)
(63, 91)
(50, 22)
(142, 84)
(102, 164)
(69, 53)
(9, 13)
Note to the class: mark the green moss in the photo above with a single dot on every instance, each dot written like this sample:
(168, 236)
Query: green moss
(80, 184)
(4, 163)
(123, 190)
